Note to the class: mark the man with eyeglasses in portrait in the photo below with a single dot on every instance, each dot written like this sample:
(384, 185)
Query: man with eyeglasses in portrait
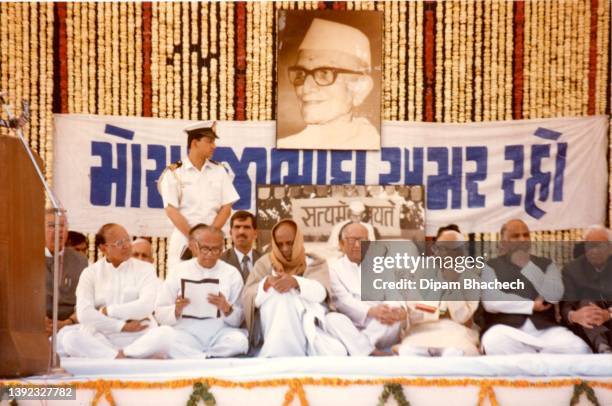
(71, 264)
(115, 300)
(331, 78)
(194, 334)
(378, 322)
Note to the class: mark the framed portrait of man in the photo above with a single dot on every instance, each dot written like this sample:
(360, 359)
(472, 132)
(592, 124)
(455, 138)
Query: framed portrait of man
(329, 74)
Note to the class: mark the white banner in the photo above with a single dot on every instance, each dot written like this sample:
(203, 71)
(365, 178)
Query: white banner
(551, 173)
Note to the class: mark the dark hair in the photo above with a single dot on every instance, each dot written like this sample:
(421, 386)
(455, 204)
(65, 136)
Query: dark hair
(75, 238)
(205, 227)
(243, 215)
(101, 234)
(450, 227)
(198, 135)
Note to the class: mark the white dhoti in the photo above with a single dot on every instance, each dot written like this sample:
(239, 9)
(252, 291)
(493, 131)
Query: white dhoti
(442, 337)
(341, 327)
(207, 338)
(83, 343)
(381, 336)
(177, 244)
(281, 324)
(505, 340)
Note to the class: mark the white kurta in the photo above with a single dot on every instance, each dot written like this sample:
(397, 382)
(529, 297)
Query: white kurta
(198, 195)
(503, 339)
(446, 329)
(215, 337)
(345, 279)
(128, 292)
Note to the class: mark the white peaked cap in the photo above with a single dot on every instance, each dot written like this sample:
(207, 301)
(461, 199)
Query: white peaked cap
(324, 35)
(200, 125)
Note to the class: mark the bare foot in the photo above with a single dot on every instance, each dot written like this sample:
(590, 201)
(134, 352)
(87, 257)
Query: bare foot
(120, 355)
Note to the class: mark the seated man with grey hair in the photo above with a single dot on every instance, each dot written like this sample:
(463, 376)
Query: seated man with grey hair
(377, 321)
(442, 323)
(522, 320)
(356, 213)
(195, 334)
(331, 77)
(587, 305)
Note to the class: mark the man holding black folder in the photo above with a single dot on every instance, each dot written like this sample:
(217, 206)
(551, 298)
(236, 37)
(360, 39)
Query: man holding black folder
(200, 300)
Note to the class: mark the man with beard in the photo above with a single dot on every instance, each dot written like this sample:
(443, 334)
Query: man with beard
(523, 320)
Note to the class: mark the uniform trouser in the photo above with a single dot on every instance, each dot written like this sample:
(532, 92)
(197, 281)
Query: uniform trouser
(83, 343)
(176, 245)
(505, 340)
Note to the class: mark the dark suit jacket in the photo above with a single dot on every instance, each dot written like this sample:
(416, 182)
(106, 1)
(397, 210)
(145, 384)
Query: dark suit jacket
(231, 258)
(584, 284)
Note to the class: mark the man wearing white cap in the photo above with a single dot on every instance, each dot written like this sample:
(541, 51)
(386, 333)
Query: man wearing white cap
(331, 78)
(356, 212)
(195, 190)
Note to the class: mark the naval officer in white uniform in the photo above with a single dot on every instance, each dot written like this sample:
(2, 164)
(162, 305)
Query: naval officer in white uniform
(196, 190)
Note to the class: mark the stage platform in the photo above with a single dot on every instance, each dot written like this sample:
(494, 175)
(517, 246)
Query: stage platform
(504, 380)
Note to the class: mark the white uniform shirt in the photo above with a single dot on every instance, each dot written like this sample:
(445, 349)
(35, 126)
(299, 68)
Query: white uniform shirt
(345, 278)
(128, 292)
(230, 285)
(202, 192)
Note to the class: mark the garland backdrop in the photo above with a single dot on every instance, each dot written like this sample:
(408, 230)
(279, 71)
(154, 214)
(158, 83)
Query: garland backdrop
(458, 61)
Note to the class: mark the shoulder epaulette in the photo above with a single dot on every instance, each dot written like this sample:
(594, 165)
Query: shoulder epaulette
(175, 165)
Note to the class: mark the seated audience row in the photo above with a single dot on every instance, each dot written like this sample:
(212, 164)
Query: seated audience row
(288, 302)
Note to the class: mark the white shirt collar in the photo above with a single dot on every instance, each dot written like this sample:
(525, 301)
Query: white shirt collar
(121, 266)
(188, 164)
(240, 255)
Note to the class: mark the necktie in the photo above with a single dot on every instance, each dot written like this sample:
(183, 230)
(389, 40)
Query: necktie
(244, 271)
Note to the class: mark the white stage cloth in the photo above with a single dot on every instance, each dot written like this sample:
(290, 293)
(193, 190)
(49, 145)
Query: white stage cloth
(245, 369)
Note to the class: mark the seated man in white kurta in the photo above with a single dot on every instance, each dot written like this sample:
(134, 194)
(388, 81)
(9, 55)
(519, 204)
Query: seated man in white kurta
(218, 336)
(288, 292)
(523, 320)
(379, 322)
(441, 323)
(114, 301)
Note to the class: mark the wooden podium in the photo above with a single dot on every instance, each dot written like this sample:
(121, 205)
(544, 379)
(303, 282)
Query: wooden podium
(24, 346)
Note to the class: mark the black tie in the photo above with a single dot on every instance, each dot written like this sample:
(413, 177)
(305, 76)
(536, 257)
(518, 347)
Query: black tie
(245, 268)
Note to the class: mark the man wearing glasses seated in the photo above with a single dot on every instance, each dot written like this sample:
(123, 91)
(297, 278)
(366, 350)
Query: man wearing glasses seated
(200, 299)
(114, 301)
(331, 78)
